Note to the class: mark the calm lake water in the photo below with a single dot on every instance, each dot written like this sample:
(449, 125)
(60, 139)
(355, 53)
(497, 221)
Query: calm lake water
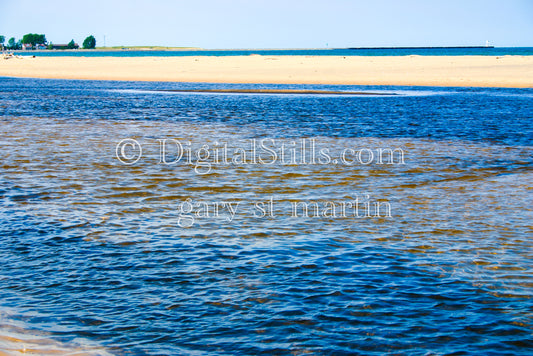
(126, 52)
(206, 248)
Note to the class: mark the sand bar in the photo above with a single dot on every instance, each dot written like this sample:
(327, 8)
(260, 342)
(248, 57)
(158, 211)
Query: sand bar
(277, 91)
(477, 71)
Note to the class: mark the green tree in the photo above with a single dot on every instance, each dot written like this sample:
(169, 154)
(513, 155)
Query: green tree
(2, 40)
(89, 42)
(28, 38)
(41, 39)
(71, 44)
(12, 43)
(34, 38)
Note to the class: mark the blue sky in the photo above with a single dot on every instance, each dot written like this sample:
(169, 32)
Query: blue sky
(274, 23)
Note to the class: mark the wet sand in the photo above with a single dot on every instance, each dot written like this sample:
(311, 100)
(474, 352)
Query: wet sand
(477, 71)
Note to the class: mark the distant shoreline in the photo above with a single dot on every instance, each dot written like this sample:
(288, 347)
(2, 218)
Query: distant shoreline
(110, 49)
(200, 49)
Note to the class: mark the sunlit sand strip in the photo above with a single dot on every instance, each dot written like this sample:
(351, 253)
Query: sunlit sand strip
(464, 71)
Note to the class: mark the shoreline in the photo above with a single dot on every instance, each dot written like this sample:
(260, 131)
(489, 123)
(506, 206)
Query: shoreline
(412, 70)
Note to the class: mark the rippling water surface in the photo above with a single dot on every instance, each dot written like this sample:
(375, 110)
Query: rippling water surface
(102, 257)
(421, 51)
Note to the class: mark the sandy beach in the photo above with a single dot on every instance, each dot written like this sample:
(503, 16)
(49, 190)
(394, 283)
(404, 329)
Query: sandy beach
(476, 71)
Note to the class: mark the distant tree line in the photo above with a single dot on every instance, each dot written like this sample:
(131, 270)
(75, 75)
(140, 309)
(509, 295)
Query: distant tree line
(11, 44)
(34, 39)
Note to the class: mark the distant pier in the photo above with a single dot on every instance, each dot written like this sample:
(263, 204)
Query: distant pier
(453, 47)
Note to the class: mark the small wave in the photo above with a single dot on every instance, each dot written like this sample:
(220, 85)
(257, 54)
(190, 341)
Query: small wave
(277, 92)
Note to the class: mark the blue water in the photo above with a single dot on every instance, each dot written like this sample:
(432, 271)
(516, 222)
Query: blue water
(497, 51)
(94, 255)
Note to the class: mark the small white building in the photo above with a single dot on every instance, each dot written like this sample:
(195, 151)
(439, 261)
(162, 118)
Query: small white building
(27, 47)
